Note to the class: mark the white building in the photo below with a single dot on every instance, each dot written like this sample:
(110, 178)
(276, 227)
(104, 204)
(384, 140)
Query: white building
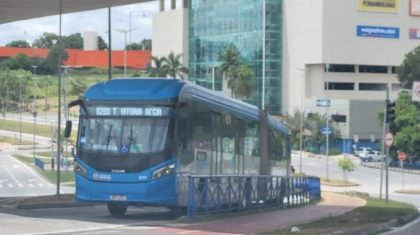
(362, 41)
(90, 41)
(362, 44)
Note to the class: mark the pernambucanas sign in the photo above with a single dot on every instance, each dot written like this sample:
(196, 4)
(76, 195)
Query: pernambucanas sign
(388, 6)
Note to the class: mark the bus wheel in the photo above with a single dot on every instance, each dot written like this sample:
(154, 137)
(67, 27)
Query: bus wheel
(117, 209)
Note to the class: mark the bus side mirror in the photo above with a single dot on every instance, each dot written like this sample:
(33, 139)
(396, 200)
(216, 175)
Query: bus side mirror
(67, 131)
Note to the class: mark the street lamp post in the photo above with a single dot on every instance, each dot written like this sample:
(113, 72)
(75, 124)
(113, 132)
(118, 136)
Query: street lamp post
(301, 118)
(20, 106)
(34, 110)
(125, 48)
(130, 23)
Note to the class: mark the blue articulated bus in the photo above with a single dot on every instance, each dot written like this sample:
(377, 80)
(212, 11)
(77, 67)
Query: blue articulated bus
(138, 137)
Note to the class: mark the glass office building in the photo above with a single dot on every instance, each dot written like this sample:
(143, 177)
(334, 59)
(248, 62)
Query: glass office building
(216, 24)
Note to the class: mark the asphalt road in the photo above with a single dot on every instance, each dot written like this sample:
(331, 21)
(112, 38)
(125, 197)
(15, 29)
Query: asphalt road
(367, 178)
(81, 220)
(17, 179)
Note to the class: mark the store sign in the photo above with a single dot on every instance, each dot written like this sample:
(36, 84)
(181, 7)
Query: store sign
(375, 31)
(389, 6)
(414, 33)
(415, 7)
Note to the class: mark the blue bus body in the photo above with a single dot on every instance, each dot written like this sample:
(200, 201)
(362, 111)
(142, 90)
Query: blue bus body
(139, 138)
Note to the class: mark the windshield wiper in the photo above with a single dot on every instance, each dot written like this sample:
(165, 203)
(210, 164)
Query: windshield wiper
(132, 140)
(106, 140)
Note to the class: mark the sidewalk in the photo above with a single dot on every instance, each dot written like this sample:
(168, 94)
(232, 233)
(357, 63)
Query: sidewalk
(333, 205)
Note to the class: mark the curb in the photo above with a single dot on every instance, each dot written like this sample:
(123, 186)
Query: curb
(55, 205)
(380, 228)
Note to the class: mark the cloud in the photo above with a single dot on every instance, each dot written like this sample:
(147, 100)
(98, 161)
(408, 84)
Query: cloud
(96, 20)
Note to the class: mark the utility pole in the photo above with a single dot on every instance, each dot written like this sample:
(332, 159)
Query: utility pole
(301, 118)
(125, 47)
(34, 109)
(384, 130)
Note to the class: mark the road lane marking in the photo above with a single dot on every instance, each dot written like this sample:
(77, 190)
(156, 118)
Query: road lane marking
(40, 185)
(1, 186)
(30, 185)
(14, 178)
(10, 185)
(21, 185)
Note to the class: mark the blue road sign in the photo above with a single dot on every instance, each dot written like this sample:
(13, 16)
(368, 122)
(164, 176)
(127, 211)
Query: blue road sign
(323, 103)
(324, 130)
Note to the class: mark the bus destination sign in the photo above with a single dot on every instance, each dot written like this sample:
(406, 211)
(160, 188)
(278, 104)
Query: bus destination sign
(130, 111)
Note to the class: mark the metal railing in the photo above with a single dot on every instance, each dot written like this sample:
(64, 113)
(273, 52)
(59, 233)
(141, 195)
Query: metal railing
(413, 168)
(227, 194)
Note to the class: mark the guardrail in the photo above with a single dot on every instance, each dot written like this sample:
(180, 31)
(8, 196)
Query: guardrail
(227, 194)
(413, 168)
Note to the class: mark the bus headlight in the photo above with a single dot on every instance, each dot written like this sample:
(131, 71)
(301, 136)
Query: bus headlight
(80, 170)
(164, 171)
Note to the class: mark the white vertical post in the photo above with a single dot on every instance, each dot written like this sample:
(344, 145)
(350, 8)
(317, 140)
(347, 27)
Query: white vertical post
(125, 54)
(263, 69)
(328, 119)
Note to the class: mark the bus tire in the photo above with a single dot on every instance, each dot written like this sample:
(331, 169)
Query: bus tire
(117, 209)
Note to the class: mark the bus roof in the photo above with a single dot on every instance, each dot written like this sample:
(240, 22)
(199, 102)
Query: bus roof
(224, 102)
(164, 88)
(135, 89)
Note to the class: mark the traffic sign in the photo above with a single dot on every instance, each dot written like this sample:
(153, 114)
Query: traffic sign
(324, 130)
(323, 103)
(416, 91)
(389, 139)
(401, 156)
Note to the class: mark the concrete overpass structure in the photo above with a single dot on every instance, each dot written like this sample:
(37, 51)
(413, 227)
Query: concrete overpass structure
(15, 10)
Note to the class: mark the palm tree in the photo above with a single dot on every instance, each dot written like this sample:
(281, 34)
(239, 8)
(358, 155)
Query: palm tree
(159, 70)
(230, 62)
(315, 124)
(241, 81)
(174, 67)
(293, 123)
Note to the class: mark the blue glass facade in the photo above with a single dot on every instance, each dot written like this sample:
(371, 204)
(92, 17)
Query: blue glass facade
(216, 24)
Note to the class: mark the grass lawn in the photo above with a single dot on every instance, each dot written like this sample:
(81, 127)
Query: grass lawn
(409, 191)
(5, 139)
(51, 175)
(337, 183)
(376, 211)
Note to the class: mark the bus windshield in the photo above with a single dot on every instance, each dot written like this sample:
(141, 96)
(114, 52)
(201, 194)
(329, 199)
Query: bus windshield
(126, 135)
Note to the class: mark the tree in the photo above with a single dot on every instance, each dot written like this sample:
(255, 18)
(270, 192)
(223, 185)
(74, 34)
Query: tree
(46, 81)
(147, 44)
(347, 165)
(230, 62)
(52, 57)
(409, 70)
(293, 123)
(102, 44)
(174, 67)
(159, 70)
(73, 41)
(47, 40)
(18, 43)
(243, 81)
(315, 124)
(406, 125)
(134, 46)
(19, 61)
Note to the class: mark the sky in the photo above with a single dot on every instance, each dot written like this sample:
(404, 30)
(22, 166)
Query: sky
(96, 20)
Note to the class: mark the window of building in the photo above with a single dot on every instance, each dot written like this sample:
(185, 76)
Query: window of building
(349, 86)
(339, 118)
(394, 69)
(373, 69)
(341, 68)
(372, 86)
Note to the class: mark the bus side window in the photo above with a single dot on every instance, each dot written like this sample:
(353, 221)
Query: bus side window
(186, 130)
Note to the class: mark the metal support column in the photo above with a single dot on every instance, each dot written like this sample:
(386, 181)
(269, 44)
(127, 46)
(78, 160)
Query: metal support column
(109, 45)
(59, 104)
